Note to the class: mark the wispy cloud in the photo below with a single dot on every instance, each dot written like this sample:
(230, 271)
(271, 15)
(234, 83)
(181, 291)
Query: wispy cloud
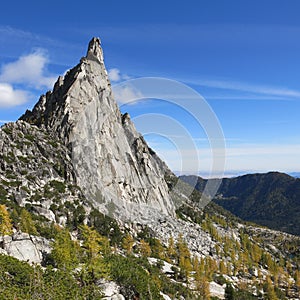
(8, 31)
(126, 94)
(258, 92)
(215, 34)
(29, 72)
(10, 97)
(14, 41)
(248, 97)
(115, 75)
(28, 69)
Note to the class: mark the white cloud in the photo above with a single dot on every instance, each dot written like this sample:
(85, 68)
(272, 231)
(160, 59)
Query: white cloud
(126, 94)
(28, 69)
(115, 75)
(10, 97)
(249, 88)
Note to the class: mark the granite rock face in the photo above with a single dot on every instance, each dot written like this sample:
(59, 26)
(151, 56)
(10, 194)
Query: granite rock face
(25, 247)
(113, 165)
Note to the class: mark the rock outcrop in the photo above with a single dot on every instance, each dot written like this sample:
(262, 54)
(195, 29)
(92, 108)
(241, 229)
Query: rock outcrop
(25, 247)
(128, 178)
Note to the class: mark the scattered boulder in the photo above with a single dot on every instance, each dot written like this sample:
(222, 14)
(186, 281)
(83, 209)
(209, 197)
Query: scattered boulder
(25, 247)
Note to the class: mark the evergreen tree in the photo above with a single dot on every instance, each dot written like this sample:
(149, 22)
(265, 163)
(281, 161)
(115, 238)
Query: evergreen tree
(26, 223)
(269, 290)
(201, 281)
(184, 257)
(145, 248)
(171, 251)
(222, 267)
(5, 221)
(96, 246)
(229, 292)
(65, 252)
(94, 243)
(256, 253)
(210, 267)
(15, 217)
(128, 243)
(183, 250)
(157, 248)
(202, 285)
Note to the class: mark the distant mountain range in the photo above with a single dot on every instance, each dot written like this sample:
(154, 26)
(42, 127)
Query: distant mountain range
(271, 199)
(295, 174)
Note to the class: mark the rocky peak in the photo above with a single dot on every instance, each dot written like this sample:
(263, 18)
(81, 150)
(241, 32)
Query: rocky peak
(113, 164)
(94, 50)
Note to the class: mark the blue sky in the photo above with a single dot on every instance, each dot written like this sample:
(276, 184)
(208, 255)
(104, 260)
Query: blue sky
(241, 56)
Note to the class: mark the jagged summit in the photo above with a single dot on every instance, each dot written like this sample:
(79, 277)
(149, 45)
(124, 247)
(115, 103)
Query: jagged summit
(114, 166)
(59, 108)
(94, 50)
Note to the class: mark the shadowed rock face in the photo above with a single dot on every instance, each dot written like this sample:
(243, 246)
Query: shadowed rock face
(113, 164)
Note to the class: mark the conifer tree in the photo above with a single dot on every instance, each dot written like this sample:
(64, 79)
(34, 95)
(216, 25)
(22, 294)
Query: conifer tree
(269, 290)
(128, 243)
(229, 292)
(65, 252)
(96, 246)
(5, 221)
(184, 257)
(26, 223)
(202, 286)
(157, 249)
(183, 250)
(94, 243)
(171, 251)
(202, 265)
(201, 281)
(222, 267)
(15, 218)
(145, 248)
(256, 253)
(195, 263)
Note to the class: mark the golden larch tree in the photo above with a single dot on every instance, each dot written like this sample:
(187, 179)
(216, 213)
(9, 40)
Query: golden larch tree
(5, 221)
